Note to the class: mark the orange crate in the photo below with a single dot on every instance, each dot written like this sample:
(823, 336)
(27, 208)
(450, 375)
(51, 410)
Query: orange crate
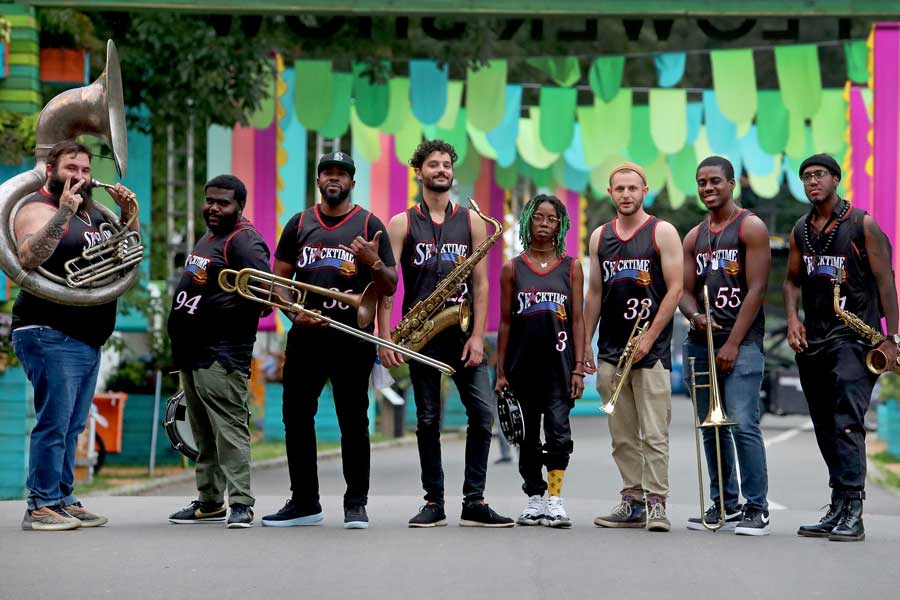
(111, 406)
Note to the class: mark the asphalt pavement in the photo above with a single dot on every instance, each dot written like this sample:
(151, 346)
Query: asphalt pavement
(140, 555)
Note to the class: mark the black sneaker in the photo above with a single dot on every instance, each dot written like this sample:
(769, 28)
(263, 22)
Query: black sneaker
(199, 512)
(241, 517)
(292, 515)
(733, 516)
(755, 522)
(481, 515)
(430, 515)
(355, 517)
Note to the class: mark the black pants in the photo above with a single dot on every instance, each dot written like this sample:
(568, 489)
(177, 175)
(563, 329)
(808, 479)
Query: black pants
(474, 388)
(838, 388)
(313, 357)
(557, 447)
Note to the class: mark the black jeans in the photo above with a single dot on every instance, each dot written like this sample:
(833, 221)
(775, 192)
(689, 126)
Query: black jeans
(557, 447)
(474, 387)
(838, 388)
(313, 357)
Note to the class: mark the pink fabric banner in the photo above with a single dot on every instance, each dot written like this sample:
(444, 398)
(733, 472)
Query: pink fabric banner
(859, 181)
(243, 162)
(572, 202)
(263, 196)
(491, 198)
(886, 87)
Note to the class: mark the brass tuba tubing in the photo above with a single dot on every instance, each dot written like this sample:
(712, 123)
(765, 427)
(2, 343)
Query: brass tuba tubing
(715, 418)
(620, 375)
(264, 288)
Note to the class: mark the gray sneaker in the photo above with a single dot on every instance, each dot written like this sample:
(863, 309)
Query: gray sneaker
(87, 518)
(629, 513)
(49, 518)
(656, 516)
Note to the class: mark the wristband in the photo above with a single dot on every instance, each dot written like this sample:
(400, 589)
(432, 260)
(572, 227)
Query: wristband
(691, 320)
(375, 264)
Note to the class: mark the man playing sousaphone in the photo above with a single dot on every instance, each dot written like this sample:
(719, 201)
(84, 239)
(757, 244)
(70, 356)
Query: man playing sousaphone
(433, 241)
(59, 344)
(837, 240)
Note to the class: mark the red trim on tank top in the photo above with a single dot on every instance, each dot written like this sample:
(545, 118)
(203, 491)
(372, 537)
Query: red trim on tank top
(733, 218)
(242, 225)
(653, 235)
(741, 226)
(365, 234)
(300, 222)
(352, 212)
(615, 229)
(535, 271)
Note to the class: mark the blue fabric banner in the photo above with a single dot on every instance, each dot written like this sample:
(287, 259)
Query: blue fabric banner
(669, 68)
(721, 132)
(428, 90)
(503, 138)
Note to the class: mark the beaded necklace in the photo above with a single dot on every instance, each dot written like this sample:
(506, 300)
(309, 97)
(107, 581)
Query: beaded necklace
(845, 206)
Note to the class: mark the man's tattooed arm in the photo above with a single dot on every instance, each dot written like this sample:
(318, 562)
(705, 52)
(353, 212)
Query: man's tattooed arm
(37, 247)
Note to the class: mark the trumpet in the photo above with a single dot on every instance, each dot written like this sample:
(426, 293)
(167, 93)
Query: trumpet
(290, 296)
(620, 375)
(120, 250)
(715, 418)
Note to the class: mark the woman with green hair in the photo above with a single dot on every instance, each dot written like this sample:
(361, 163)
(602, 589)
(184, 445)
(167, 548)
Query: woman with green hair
(539, 350)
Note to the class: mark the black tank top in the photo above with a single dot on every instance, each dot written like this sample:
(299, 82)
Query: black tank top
(858, 291)
(207, 324)
(90, 324)
(633, 287)
(539, 355)
(432, 250)
(319, 260)
(720, 262)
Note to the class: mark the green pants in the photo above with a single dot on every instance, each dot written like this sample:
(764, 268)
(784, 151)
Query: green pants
(219, 417)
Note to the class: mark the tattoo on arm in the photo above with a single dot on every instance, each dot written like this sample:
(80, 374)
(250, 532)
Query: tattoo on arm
(41, 245)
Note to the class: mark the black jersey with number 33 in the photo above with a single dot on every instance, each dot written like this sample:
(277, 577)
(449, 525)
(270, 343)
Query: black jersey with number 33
(633, 287)
(539, 356)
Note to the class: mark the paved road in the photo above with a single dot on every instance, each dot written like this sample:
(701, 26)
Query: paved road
(141, 556)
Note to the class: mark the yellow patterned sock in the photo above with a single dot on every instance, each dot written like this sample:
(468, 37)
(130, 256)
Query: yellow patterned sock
(555, 481)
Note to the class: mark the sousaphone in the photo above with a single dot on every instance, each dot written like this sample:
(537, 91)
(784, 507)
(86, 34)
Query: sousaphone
(97, 109)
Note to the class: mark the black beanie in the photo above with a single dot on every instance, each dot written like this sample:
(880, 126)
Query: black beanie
(822, 160)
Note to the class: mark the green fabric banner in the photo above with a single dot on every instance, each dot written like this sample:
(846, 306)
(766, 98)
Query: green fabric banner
(456, 137)
(263, 116)
(486, 94)
(799, 144)
(480, 143)
(856, 55)
(540, 177)
(399, 110)
(642, 150)
(467, 169)
(829, 126)
(772, 122)
(656, 172)
(366, 139)
(529, 143)
(312, 92)
(557, 109)
(767, 186)
(406, 140)
(564, 71)
(372, 99)
(734, 80)
(339, 119)
(682, 167)
(668, 118)
(605, 76)
(506, 177)
(605, 127)
(454, 97)
(799, 78)
(676, 196)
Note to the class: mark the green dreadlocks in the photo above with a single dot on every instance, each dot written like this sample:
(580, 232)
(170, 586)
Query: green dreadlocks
(525, 222)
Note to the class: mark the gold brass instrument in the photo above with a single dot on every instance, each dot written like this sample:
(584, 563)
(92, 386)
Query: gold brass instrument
(97, 109)
(715, 418)
(120, 249)
(289, 295)
(428, 316)
(620, 376)
(876, 360)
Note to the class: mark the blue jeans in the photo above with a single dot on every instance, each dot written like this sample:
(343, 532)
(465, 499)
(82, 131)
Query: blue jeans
(63, 372)
(740, 397)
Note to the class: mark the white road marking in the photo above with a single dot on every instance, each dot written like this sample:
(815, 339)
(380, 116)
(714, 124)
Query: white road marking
(783, 437)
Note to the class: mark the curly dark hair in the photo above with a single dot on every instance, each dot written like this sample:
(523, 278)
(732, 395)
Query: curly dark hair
(424, 149)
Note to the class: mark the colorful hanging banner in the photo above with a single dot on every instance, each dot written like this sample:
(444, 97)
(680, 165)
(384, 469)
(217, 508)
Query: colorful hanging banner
(669, 68)
(799, 78)
(491, 199)
(557, 106)
(564, 71)
(734, 80)
(503, 138)
(428, 82)
(721, 132)
(829, 126)
(886, 151)
(772, 122)
(605, 76)
(312, 92)
(485, 97)
(858, 160)
(372, 97)
(668, 119)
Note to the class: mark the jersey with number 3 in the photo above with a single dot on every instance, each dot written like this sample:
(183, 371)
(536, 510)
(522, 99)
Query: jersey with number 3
(720, 262)
(539, 355)
(633, 287)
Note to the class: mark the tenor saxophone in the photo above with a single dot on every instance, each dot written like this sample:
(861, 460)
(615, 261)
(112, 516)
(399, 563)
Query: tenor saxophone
(876, 360)
(428, 316)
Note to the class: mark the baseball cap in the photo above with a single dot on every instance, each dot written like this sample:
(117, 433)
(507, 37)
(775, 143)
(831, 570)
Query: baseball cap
(337, 159)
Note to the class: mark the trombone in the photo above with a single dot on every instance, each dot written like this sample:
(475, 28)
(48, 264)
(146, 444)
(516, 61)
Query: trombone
(620, 376)
(290, 296)
(715, 418)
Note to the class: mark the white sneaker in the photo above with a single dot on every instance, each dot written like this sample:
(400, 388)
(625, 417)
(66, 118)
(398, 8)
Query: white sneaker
(556, 513)
(534, 513)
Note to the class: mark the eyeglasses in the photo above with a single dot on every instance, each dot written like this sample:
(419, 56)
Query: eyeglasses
(819, 176)
(538, 219)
